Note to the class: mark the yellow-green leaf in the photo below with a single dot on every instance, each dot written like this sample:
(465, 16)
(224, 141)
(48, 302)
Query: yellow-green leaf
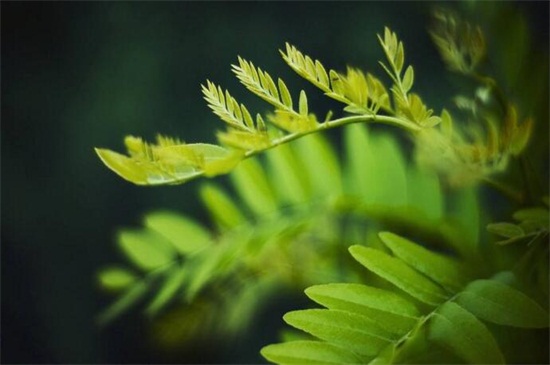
(222, 208)
(309, 352)
(146, 249)
(116, 278)
(398, 314)
(351, 331)
(185, 234)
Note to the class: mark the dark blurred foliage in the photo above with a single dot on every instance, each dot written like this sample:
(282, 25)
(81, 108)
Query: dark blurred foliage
(81, 74)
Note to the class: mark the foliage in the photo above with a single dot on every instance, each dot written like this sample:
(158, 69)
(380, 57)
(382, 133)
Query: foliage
(307, 219)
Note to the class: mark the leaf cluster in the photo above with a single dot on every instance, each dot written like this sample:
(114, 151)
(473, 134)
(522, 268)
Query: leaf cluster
(439, 302)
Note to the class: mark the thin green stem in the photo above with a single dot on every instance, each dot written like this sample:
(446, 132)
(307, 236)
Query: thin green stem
(338, 123)
(511, 193)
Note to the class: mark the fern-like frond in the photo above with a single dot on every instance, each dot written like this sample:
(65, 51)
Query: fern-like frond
(262, 84)
(461, 45)
(364, 94)
(169, 161)
(292, 177)
(408, 104)
(364, 320)
(227, 108)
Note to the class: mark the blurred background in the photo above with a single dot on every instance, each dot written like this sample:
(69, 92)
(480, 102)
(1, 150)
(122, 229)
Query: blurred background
(78, 75)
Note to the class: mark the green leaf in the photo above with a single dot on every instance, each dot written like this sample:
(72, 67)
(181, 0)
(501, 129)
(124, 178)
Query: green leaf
(424, 192)
(397, 314)
(116, 278)
(288, 175)
(538, 215)
(321, 163)
(359, 160)
(399, 58)
(303, 110)
(186, 235)
(467, 214)
(508, 230)
(224, 211)
(499, 303)
(146, 249)
(439, 268)
(461, 332)
(124, 166)
(351, 331)
(308, 352)
(252, 185)
(388, 180)
(130, 297)
(376, 167)
(173, 283)
(408, 79)
(399, 274)
(285, 94)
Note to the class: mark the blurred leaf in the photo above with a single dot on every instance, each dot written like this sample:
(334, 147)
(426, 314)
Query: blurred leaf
(288, 175)
(499, 303)
(320, 161)
(252, 185)
(508, 230)
(186, 235)
(221, 207)
(174, 281)
(130, 297)
(146, 249)
(116, 278)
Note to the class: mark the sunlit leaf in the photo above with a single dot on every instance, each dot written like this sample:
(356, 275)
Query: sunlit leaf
(309, 352)
(351, 331)
(397, 314)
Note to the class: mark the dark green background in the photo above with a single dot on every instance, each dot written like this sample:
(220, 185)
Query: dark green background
(77, 75)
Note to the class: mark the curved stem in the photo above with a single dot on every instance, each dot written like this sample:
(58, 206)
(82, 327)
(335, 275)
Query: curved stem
(338, 123)
(511, 193)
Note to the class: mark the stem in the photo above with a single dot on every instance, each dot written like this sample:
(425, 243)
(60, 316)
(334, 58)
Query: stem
(511, 193)
(338, 123)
